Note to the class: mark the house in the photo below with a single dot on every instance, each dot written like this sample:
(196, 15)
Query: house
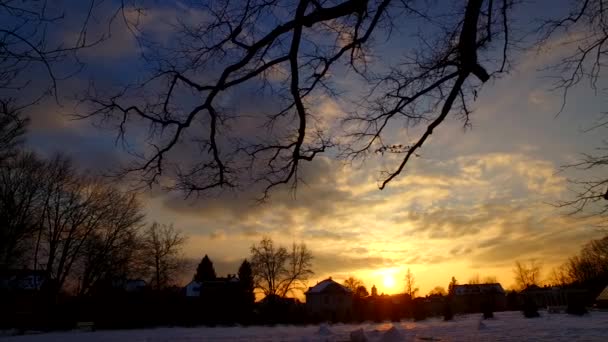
(477, 297)
(135, 285)
(193, 289)
(329, 300)
(478, 289)
(219, 287)
(129, 285)
(22, 279)
(216, 288)
(602, 299)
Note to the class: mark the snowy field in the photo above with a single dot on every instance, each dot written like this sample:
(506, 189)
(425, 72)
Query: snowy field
(507, 326)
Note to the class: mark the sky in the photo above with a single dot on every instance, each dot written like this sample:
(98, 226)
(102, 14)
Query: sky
(476, 199)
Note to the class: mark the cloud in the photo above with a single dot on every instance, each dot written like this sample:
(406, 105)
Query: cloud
(483, 209)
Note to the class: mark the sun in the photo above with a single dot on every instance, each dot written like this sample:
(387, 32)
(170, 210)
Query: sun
(389, 281)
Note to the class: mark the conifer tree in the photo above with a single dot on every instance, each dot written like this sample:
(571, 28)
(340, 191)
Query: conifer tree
(246, 282)
(205, 270)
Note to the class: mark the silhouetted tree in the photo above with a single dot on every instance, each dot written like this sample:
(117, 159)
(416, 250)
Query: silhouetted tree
(160, 254)
(487, 308)
(448, 313)
(361, 292)
(588, 269)
(110, 251)
(21, 202)
(205, 270)
(486, 280)
(12, 129)
(584, 61)
(410, 284)
(527, 274)
(75, 208)
(559, 275)
(247, 286)
(452, 286)
(352, 283)
(33, 39)
(304, 45)
(530, 309)
(438, 291)
(475, 279)
(277, 271)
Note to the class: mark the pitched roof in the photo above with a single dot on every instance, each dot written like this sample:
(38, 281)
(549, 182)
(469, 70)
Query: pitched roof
(478, 288)
(327, 286)
(603, 295)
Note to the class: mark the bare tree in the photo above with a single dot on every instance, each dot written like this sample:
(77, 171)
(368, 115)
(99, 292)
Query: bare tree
(476, 279)
(559, 275)
(279, 272)
(438, 291)
(584, 30)
(12, 129)
(110, 251)
(527, 274)
(590, 267)
(31, 37)
(410, 284)
(353, 283)
(21, 193)
(452, 286)
(490, 280)
(307, 43)
(160, 254)
(76, 210)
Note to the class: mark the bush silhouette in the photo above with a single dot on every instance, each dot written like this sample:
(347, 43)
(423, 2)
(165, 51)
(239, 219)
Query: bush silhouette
(530, 308)
(576, 308)
(448, 313)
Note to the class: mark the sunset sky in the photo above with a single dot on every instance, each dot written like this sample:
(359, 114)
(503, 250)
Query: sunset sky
(473, 203)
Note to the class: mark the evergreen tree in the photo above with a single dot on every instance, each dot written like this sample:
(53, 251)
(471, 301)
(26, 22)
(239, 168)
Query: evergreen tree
(452, 286)
(246, 281)
(205, 270)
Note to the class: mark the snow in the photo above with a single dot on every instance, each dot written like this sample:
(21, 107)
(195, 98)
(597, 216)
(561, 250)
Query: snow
(506, 326)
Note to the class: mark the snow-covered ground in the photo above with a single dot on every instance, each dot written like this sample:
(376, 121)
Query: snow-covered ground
(507, 326)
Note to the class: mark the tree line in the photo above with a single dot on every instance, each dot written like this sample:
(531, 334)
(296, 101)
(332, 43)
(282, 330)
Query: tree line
(80, 230)
(272, 271)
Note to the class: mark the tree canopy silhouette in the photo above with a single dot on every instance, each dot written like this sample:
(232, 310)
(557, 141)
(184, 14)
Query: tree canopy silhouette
(291, 60)
(278, 271)
(205, 270)
(247, 283)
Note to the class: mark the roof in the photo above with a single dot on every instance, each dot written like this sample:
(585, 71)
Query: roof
(603, 295)
(193, 283)
(327, 286)
(478, 288)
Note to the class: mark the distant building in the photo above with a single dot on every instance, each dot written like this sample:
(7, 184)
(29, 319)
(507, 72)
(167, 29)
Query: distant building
(474, 297)
(478, 289)
(602, 299)
(193, 289)
(22, 279)
(212, 289)
(329, 300)
(129, 285)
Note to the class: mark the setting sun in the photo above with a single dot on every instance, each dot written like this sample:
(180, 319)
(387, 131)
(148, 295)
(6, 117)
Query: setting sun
(389, 281)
